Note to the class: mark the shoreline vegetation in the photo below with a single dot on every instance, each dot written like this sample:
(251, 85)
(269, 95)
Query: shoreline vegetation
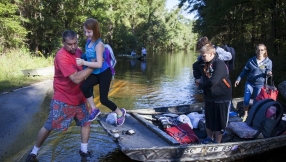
(15, 60)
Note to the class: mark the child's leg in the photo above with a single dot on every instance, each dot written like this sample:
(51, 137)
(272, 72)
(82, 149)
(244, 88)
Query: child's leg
(104, 84)
(91, 103)
(87, 89)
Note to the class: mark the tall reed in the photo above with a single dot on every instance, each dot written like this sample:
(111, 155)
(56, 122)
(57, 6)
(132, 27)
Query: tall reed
(15, 60)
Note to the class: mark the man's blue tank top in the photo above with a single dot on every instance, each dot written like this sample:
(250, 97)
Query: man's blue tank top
(91, 54)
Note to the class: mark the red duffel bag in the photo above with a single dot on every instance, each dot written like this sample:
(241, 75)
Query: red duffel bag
(268, 91)
(183, 133)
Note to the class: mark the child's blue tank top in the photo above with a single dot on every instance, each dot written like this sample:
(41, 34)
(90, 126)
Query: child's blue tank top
(91, 54)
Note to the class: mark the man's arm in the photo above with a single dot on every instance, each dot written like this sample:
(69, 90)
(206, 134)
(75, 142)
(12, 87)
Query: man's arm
(79, 76)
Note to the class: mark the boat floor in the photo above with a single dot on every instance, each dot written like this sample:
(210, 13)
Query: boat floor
(137, 140)
(147, 133)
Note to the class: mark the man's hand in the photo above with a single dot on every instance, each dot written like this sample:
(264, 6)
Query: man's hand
(197, 81)
(269, 73)
(79, 61)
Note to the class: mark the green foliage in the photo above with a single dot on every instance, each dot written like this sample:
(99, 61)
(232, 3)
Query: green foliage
(48, 19)
(12, 34)
(125, 24)
(241, 23)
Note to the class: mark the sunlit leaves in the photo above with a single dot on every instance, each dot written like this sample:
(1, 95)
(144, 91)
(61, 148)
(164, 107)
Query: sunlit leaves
(125, 24)
(12, 34)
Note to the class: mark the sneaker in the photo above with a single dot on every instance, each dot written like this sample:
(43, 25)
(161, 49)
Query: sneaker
(83, 154)
(93, 114)
(207, 141)
(32, 158)
(120, 120)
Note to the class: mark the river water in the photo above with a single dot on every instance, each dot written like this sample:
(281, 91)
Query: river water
(163, 79)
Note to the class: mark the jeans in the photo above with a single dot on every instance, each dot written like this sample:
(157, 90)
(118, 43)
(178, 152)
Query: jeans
(248, 90)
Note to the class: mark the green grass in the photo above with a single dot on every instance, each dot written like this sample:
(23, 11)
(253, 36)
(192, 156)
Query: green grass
(11, 64)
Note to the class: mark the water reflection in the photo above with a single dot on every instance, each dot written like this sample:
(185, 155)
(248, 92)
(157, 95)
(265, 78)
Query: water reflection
(143, 65)
(161, 80)
(133, 63)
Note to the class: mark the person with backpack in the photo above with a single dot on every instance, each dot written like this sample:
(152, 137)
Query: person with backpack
(198, 65)
(217, 89)
(102, 74)
(229, 63)
(255, 70)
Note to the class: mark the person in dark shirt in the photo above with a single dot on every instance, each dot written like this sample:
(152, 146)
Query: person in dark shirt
(220, 52)
(217, 91)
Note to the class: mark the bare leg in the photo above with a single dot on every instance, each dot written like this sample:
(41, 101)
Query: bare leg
(245, 112)
(217, 136)
(42, 136)
(209, 133)
(85, 131)
(90, 101)
(118, 112)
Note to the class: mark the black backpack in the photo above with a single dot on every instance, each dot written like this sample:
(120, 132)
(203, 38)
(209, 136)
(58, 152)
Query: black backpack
(268, 127)
(230, 63)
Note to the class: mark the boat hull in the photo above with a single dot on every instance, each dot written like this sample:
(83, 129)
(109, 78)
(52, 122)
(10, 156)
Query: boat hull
(210, 152)
(150, 143)
(39, 71)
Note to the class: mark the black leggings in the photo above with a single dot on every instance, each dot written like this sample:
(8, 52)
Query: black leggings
(103, 79)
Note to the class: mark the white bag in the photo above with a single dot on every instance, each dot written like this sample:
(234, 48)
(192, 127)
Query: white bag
(185, 119)
(195, 118)
(111, 118)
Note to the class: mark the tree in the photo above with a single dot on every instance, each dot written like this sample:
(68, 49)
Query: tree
(125, 24)
(240, 22)
(12, 33)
